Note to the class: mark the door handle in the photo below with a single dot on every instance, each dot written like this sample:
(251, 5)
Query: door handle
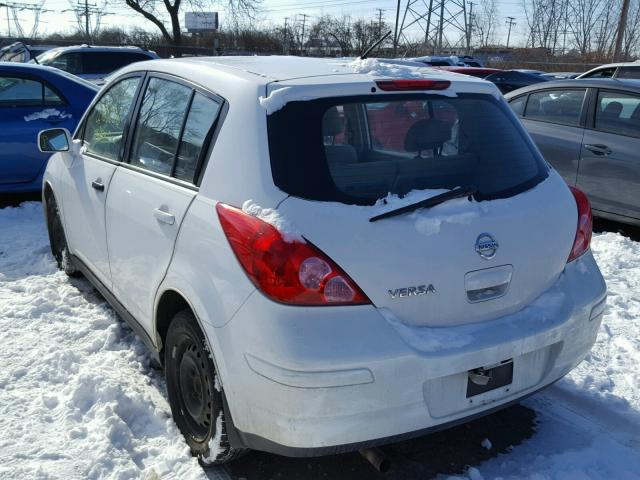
(164, 217)
(598, 149)
(98, 185)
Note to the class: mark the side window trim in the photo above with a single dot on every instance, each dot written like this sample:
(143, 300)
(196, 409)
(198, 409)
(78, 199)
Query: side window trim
(583, 108)
(81, 130)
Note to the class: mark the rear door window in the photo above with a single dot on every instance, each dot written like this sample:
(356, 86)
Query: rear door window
(24, 92)
(174, 126)
(163, 111)
(628, 72)
(556, 106)
(360, 150)
(619, 113)
(104, 62)
(602, 73)
(69, 62)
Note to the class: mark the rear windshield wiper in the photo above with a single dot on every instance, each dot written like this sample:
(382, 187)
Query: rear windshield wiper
(429, 202)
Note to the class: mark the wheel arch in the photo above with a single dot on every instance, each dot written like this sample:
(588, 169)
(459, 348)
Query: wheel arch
(170, 302)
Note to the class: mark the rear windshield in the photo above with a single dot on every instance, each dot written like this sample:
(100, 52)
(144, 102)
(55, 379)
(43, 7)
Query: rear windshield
(360, 149)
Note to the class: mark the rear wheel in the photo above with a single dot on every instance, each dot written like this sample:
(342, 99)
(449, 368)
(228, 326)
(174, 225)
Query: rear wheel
(57, 238)
(195, 394)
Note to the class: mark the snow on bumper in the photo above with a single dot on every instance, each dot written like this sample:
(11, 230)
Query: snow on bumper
(312, 378)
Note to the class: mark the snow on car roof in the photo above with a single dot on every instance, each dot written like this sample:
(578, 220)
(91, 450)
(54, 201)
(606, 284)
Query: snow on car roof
(283, 68)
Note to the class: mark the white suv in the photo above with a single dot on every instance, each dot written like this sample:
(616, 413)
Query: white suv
(325, 255)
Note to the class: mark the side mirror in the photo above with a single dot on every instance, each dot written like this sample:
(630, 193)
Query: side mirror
(54, 140)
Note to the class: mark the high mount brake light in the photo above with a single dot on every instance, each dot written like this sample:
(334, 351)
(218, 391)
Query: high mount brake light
(295, 272)
(585, 225)
(402, 85)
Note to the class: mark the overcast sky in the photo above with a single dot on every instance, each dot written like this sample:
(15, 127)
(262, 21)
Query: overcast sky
(273, 11)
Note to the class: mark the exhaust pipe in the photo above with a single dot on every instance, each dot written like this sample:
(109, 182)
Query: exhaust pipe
(377, 458)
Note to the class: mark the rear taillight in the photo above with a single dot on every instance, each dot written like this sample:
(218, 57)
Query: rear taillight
(585, 225)
(292, 272)
(401, 85)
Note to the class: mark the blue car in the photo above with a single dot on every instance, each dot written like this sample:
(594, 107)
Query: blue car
(34, 98)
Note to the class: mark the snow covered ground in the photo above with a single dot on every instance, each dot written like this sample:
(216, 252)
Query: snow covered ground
(79, 398)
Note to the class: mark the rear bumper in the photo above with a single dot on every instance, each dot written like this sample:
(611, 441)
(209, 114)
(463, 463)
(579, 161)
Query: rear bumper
(314, 381)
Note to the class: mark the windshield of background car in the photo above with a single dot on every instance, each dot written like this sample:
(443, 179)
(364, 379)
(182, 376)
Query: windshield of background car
(359, 149)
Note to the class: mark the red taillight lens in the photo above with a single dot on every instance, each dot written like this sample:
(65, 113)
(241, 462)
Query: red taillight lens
(585, 225)
(400, 85)
(296, 272)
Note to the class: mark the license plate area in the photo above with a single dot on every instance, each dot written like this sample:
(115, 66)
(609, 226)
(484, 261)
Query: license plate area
(485, 379)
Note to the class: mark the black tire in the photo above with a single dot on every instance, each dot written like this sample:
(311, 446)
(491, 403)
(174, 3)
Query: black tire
(195, 402)
(58, 239)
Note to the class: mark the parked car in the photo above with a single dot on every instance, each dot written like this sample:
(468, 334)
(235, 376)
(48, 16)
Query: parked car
(505, 80)
(451, 60)
(589, 130)
(529, 71)
(93, 63)
(479, 72)
(614, 70)
(316, 275)
(510, 80)
(559, 75)
(33, 98)
(22, 53)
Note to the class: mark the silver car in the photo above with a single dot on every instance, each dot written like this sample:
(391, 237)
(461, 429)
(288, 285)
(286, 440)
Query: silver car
(589, 130)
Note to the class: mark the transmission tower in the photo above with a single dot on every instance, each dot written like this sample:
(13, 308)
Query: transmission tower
(441, 24)
(16, 7)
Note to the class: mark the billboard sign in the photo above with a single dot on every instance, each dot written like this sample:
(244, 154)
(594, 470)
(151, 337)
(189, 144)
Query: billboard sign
(197, 22)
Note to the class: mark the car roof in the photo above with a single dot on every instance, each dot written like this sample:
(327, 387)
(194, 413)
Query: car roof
(35, 69)
(631, 85)
(99, 48)
(635, 63)
(267, 69)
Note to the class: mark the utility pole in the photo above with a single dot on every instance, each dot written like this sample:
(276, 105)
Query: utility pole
(510, 21)
(8, 21)
(380, 12)
(86, 18)
(395, 34)
(470, 27)
(621, 26)
(304, 22)
(284, 42)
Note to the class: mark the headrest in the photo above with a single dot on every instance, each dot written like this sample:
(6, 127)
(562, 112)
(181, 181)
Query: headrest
(332, 123)
(426, 134)
(613, 109)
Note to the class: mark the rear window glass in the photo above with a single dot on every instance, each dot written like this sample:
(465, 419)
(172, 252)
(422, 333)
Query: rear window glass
(360, 149)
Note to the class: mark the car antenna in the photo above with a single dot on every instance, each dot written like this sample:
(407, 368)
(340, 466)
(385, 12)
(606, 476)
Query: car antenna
(378, 42)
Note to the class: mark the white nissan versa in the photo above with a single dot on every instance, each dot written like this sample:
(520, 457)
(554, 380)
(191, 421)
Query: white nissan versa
(325, 255)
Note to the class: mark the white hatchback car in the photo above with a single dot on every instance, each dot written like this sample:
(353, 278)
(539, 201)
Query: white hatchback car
(325, 255)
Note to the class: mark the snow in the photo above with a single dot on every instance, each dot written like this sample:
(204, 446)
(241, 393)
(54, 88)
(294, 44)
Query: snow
(287, 229)
(47, 113)
(77, 392)
(486, 443)
(215, 444)
(279, 96)
(80, 399)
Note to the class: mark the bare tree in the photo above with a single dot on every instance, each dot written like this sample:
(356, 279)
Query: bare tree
(485, 22)
(153, 10)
